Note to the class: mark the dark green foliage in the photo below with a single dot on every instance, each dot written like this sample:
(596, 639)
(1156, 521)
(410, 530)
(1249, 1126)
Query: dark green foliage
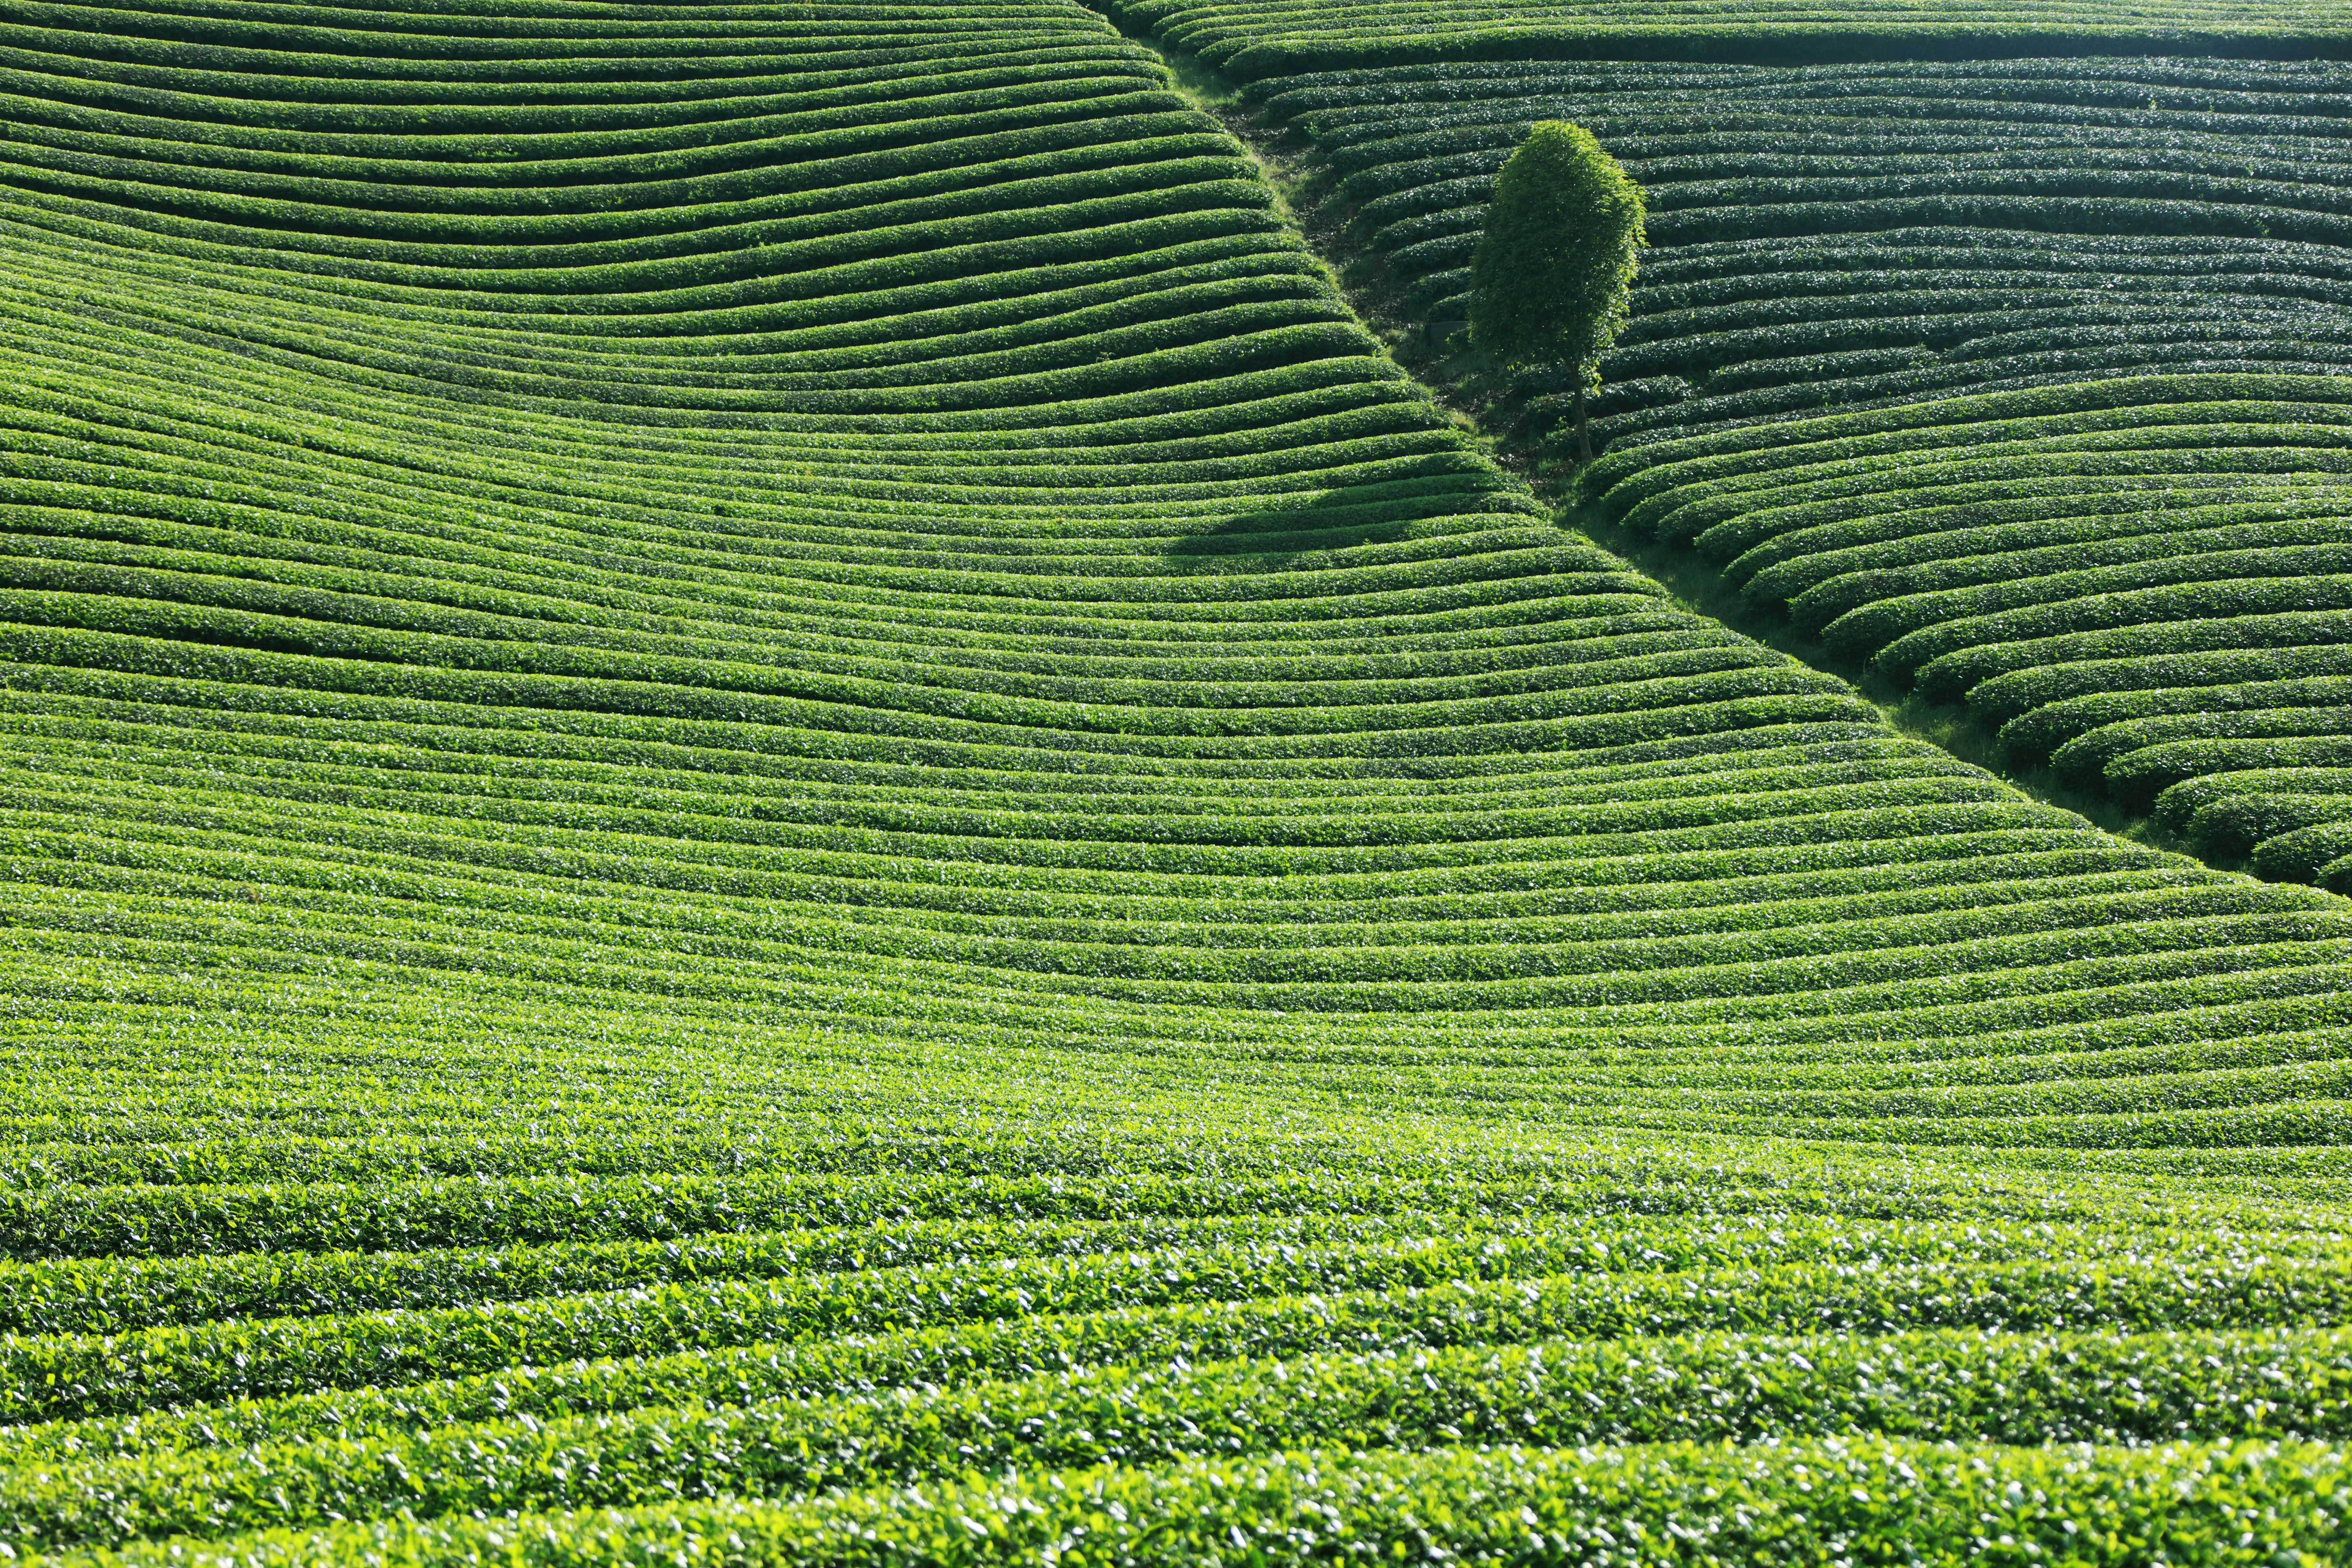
(1281, 37)
(1555, 262)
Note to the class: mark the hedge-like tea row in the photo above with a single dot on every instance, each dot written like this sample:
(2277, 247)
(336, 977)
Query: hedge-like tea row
(1879, 1501)
(753, 763)
(2021, 380)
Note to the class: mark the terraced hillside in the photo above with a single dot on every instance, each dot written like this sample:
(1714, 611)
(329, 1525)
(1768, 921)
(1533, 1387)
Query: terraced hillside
(2023, 381)
(766, 802)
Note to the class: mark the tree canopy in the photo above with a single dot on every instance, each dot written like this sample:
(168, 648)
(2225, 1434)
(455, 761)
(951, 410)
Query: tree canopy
(1553, 273)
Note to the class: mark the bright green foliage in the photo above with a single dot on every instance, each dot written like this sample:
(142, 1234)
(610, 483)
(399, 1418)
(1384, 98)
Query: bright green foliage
(766, 802)
(1862, 1501)
(1549, 279)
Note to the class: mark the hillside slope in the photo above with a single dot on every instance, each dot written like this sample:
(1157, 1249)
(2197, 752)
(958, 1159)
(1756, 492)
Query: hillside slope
(2022, 382)
(753, 760)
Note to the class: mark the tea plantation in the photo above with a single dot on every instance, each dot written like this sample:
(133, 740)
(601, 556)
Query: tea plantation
(767, 802)
(2022, 382)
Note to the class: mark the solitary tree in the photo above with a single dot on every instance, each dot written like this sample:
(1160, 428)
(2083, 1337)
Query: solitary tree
(1552, 271)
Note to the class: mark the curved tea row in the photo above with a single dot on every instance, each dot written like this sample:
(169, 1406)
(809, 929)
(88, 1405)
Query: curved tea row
(755, 768)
